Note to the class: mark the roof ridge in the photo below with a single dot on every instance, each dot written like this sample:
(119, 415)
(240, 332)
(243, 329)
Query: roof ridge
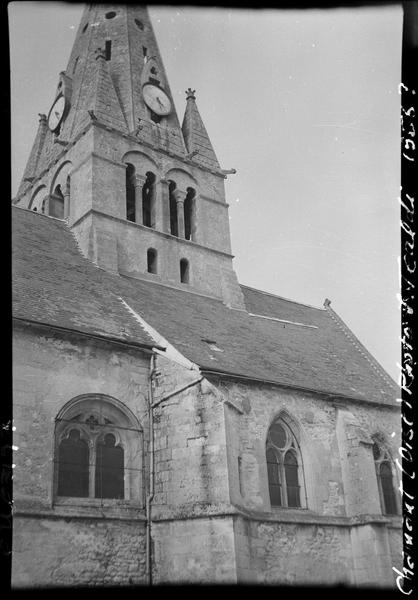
(360, 347)
(281, 297)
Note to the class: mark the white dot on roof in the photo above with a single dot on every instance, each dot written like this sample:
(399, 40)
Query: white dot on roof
(237, 200)
(392, 434)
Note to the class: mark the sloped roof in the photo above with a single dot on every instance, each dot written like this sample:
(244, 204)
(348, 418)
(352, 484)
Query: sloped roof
(54, 283)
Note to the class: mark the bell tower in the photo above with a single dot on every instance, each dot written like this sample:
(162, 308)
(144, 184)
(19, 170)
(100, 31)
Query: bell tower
(143, 195)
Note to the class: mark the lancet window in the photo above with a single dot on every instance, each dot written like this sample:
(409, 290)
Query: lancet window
(385, 478)
(284, 466)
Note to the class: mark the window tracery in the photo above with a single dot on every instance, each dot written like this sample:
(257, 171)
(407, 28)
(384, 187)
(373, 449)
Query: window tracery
(385, 478)
(284, 466)
(98, 451)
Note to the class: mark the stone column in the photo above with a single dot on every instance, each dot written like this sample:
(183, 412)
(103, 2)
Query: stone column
(66, 201)
(162, 206)
(138, 181)
(180, 197)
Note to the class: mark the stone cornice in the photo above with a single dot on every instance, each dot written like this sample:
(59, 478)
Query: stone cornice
(93, 211)
(158, 149)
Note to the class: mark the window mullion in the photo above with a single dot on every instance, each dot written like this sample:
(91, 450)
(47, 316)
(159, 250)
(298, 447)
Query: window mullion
(92, 469)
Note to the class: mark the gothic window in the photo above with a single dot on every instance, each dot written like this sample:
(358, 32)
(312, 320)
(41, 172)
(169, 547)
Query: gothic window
(173, 209)
(73, 458)
(148, 200)
(151, 260)
(98, 451)
(130, 192)
(56, 203)
(189, 214)
(385, 480)
(109, 468)
(284, 466)
(184, 270)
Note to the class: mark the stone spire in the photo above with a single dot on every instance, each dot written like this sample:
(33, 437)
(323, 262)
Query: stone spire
(195, 135)
(108, 86)
(132, 56)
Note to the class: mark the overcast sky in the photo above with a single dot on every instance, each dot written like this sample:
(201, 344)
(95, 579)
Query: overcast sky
(305, 106)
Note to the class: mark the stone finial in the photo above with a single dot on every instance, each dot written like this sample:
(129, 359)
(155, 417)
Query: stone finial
(327, 303)
(190, 94)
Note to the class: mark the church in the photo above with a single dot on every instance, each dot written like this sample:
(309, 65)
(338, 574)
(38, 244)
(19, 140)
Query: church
(172, 425)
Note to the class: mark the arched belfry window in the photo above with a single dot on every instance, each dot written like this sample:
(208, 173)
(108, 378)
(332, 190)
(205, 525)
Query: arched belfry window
(385, 478)
(98, 451)
(148, 200)
(284, 466)
(173, 209)
(189, 214)
(130, 192)
(56, 203)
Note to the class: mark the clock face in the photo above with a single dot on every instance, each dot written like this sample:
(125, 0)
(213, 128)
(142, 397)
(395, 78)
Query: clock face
(56, 113)
(156, 99)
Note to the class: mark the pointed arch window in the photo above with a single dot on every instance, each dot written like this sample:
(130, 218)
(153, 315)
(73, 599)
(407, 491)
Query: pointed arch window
(284, 466)
(385, 478)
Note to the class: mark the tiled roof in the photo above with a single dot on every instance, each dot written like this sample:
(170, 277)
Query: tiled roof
(54, 283)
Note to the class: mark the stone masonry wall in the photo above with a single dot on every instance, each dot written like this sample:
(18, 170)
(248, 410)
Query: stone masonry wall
(273, 543)
(81, 540)
(192, 530)
(68, 552)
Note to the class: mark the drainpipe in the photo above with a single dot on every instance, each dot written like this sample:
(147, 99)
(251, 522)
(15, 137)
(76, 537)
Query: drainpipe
(150, 495)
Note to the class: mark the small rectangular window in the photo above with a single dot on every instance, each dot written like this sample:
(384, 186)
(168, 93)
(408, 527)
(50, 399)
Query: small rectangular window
(108, 49)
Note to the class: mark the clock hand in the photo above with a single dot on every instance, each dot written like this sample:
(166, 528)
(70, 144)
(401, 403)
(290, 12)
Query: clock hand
(159, 102)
